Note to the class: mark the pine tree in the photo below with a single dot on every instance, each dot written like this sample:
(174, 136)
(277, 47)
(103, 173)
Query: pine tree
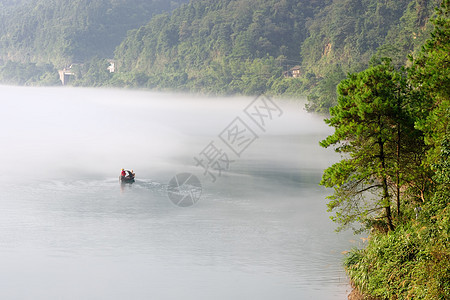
(374, 131)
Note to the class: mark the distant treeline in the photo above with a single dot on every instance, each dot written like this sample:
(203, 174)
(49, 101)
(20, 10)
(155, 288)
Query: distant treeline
(209, 46)
(246, 46)
(38, 34)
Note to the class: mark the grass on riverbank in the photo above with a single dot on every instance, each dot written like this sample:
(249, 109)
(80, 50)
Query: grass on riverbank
(411, 262)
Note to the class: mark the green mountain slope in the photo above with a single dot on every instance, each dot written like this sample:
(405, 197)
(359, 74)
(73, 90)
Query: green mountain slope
(210, 46)
(242, 46)
(61, 32)
(204, 45)
(349, 33)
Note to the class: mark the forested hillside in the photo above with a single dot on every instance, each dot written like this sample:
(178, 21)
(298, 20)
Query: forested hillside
(244, 46)
(392, 130)
(56, 33)
(350, 33)
(209, 46)
(230, 46)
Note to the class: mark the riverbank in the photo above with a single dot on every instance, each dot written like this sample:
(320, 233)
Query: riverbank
(410, 262)
(355, 294)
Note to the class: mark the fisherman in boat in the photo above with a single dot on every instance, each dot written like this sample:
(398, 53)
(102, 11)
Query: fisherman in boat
(126, 176)
(130, 175)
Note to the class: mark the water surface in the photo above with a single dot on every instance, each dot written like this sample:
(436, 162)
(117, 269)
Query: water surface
(69, 230)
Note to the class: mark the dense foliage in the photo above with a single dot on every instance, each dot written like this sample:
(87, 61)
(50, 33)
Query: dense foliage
(233, 46)
(394, 131)
(374, 122)
(59, 33)
(239, 46)
(345, 37)
(215, 47)
(411, 262)
(63, 32)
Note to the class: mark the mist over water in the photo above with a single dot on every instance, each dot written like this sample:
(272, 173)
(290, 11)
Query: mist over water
(69, 230)
(54, 131)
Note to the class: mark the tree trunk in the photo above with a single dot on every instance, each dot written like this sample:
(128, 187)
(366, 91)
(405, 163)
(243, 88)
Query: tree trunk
(388, 206)
(386, 195)
(398, 118)
(399, 213)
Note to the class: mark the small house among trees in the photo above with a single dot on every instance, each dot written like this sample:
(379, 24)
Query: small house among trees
(293, 72)
(66, 75)
(112, 66)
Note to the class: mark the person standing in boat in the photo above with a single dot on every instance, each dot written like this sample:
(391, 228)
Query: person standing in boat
(123, 174)
(130, 174)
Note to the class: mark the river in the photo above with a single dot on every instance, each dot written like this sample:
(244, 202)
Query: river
(256, 228)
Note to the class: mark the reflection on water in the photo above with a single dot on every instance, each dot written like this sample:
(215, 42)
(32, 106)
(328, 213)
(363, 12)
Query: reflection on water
(70, 230)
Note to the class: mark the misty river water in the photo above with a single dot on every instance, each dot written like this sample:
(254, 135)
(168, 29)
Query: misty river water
(70, 230)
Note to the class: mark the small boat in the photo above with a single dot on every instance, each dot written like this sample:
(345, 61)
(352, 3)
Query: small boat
(128, 178)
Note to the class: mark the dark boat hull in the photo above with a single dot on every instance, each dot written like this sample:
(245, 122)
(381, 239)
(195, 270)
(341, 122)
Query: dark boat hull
(125, 179)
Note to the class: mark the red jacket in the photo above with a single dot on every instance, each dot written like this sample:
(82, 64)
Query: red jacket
(122, 174)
